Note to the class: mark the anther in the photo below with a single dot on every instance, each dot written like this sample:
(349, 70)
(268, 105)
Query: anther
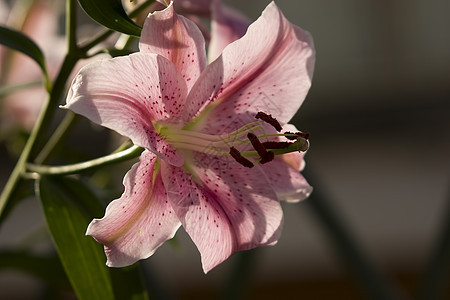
(239, 158)
(294, 136)
(269, 157)
(265, 155)
(304, 135)
(269, 119)
(276, 145)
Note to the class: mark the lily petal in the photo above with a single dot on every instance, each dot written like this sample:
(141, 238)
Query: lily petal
(269, 69)
(127, 94)
(176, 38)
(227, 25)
(140, 221)
(225, 209)
(287, 182)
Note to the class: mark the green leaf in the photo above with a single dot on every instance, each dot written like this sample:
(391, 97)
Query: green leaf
(69, 204)
(110, 13)
(20, 42)
(127, 283)
(82, 257)
(118, 52)
(85, 198)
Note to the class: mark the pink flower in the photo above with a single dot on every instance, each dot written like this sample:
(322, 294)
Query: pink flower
(205, 141)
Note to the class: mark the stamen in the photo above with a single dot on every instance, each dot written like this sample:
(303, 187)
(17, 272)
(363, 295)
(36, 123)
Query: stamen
(294, 136)
(239, 158)
(276, 145)
(256, 144)
(269, 157)
(269, 119)
(265, 155)
(304, 135)
(227, 144)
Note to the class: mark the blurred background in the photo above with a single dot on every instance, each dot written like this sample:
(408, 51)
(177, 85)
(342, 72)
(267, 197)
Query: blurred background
(379, 117)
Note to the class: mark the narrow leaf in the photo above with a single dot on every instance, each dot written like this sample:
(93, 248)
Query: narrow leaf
(111, 14)
(18, 41)
(82, 257)
(84, 197)
(127, 283)
(80, 200)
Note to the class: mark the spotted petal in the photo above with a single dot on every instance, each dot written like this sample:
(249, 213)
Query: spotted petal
(176, 38)
(135, 225)
(127, 94)
(224, 207)
(269, 69)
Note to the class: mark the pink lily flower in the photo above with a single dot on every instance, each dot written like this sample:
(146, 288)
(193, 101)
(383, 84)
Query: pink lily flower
(204, 135)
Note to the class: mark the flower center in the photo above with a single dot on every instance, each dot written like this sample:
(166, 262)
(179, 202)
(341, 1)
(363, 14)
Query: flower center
(255, 143)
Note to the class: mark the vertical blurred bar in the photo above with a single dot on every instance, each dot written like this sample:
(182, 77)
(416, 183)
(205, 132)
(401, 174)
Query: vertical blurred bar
(374, 285)
(238, 284)
(437, 275)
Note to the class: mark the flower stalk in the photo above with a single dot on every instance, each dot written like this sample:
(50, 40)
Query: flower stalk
(47, 112)
(132, 152)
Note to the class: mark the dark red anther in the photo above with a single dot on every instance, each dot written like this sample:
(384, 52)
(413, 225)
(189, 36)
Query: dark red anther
(269, 157)
(269, 119)
(294, 136)
(239, 158)
(304, 135)
(276, 145)
(290, 135)
(265, 155)
(257, 144)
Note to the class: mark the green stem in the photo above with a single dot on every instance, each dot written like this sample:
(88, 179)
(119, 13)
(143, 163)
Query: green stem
(18, 170)
(47, 111)
(57, 136)
(71, 26)
(437, 275)
(55, 96)
(81, 51)
(129, 153)
(97, 39)
(5, 90)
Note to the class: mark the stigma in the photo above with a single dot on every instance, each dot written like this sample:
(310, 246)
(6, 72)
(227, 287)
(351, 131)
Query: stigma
(253, 143)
